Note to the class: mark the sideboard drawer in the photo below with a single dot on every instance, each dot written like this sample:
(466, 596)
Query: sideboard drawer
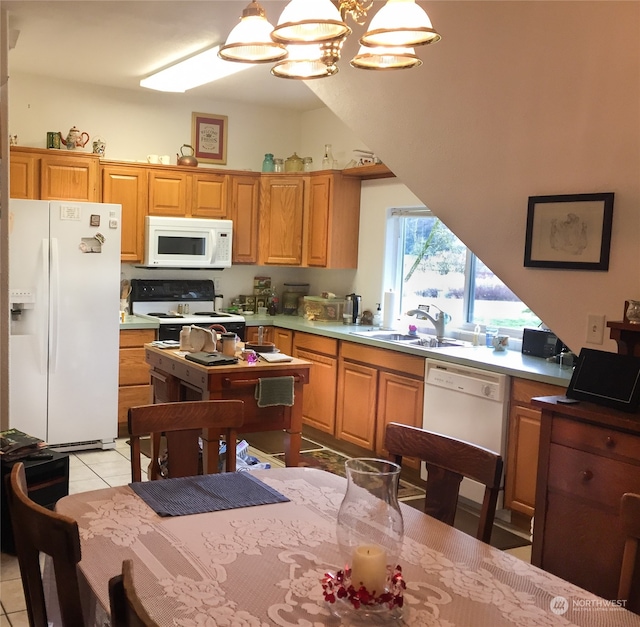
(599, 440)
(591, 477)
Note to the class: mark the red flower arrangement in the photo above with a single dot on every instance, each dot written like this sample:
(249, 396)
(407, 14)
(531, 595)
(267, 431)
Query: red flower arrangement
(339, 586)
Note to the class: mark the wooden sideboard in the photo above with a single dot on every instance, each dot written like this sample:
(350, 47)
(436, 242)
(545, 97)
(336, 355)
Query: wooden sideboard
(589, 457)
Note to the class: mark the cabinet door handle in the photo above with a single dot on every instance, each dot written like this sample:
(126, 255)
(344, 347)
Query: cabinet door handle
(587, 475)
(610, 442)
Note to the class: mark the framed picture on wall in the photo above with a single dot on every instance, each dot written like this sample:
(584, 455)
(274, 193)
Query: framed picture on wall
(571, 232)
(209, 137)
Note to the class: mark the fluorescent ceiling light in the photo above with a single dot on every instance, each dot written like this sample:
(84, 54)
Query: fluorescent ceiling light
(204, 67)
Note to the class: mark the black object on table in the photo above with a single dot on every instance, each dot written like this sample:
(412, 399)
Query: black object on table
(47, 481)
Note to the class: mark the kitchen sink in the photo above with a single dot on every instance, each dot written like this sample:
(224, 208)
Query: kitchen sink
(411, 340)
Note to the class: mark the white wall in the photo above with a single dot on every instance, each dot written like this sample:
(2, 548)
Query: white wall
(518, 99)
(141, 122)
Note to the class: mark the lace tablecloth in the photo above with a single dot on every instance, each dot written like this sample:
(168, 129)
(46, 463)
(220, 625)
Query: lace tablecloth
(262, 566)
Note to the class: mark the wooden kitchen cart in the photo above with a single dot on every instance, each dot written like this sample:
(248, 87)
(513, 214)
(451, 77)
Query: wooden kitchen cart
(589, 457)
(176, 379)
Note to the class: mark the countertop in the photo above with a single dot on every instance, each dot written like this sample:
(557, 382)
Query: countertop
(136, 322)
(509, 362)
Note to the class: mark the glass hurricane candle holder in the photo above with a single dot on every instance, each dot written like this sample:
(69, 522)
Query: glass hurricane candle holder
(370, 530)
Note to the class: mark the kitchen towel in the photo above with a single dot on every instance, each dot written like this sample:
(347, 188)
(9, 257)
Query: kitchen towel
(389, 310)
(275, 391)
(205, 493)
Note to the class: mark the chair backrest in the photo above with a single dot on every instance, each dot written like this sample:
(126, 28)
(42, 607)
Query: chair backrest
(126, 607)
(630, 518)
(182, 423)
(37, 529)
(449, 460)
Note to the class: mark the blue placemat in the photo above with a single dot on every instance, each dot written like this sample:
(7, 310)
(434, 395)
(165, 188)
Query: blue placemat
(205, 493)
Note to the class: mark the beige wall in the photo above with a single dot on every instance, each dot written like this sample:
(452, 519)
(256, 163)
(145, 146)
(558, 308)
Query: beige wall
(518, 99)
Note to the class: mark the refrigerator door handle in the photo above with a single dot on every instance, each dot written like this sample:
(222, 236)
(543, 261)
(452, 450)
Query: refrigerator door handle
(54, 330)
(45, 320)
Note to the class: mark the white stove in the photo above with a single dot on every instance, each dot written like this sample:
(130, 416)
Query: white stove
(176, 303)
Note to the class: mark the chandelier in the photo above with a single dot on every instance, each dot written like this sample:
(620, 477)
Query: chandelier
(308, 38)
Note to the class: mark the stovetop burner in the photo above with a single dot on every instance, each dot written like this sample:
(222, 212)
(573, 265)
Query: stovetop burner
(211, 314)
(164, 314)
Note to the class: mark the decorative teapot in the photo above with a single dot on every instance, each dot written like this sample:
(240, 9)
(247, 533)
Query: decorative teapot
(75, 139)
(187, 159)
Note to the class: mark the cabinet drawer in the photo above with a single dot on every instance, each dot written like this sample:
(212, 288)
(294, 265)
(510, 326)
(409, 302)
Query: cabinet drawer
(591, 477)
(136, 337)
(383, 358)
(316, 343)
(523, 390)
(133, 369)
(599, 440)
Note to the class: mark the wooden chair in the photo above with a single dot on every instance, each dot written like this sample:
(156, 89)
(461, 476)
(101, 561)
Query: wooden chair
(449, 460)
(182, 423)
(37, 529)
(126, 607)
(630, 517)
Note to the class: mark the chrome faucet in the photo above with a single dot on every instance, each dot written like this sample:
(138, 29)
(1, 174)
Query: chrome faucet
(439, 321)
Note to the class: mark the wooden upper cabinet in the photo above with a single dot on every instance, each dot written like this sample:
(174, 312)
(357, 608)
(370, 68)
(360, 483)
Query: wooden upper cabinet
(209, 195)
(24, 175)
(281, 220)
(71, 178)
(43, 174)
(127, 186)
(243, 211)
(331, 234)
(168, 193)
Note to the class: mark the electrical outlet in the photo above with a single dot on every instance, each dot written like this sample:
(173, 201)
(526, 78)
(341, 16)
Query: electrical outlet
(595, 329)
(216, 285)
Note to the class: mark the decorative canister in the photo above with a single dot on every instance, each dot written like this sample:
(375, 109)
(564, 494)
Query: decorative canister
(293, 163)
(279, 165)
(267, 164)
(307, 164)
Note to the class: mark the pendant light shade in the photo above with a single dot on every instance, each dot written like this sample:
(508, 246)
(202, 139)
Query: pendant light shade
(309, 21)
(307, 61)
(250, 41)
(381, 58)
(400, 23)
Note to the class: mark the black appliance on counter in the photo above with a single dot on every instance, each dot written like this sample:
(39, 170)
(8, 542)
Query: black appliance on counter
(541, 343)
(175, 303)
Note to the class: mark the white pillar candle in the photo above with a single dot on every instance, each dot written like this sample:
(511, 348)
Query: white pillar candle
(369, 568)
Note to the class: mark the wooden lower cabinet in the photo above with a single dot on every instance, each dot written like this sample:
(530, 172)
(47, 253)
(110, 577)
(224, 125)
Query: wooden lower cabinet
(376, 387)
(283, 339)
(589, 457)
(522, 448)
(134, 386)
(400, 399)
(319, 403)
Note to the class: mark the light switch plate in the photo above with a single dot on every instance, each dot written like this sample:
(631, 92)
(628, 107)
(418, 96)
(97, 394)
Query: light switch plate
(595, 328)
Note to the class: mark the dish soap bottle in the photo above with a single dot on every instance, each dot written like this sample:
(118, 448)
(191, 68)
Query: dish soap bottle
(377, 317)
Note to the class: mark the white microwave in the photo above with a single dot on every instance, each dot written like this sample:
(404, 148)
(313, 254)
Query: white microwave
(187, 243)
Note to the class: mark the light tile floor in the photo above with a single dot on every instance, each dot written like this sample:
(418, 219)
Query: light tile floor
(93, 470)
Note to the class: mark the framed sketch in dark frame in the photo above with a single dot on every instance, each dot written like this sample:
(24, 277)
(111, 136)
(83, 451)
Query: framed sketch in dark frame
(571, 232)
(209, 137)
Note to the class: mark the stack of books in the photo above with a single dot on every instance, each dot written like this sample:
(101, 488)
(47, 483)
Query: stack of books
(16, 445)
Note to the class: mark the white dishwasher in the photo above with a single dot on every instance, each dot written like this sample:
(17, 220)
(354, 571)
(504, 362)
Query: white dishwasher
(467, 404)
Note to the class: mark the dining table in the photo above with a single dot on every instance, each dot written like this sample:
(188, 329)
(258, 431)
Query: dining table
(263, 565)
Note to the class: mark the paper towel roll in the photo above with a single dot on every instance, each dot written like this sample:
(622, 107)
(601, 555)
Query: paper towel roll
(389, 309)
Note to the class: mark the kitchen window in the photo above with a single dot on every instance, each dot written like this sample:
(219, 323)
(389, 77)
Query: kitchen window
(429, 265)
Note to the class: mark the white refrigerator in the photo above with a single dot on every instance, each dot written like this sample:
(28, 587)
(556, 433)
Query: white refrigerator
(64, 284)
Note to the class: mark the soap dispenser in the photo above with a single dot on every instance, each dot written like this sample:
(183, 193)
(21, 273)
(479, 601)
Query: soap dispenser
(377, 317)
